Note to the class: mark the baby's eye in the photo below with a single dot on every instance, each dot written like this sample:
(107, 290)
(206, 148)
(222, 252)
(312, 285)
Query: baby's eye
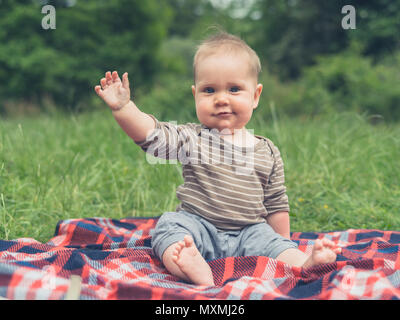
(234, 89)
(208, 90)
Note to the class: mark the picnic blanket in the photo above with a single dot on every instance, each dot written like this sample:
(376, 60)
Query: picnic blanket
(113, 260)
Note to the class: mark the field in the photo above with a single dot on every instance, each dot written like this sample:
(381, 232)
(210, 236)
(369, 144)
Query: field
(341, 173)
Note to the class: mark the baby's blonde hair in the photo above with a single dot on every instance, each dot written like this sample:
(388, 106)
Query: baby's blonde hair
(231, 44)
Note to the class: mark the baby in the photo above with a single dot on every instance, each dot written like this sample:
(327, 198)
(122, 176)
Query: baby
(233, 201)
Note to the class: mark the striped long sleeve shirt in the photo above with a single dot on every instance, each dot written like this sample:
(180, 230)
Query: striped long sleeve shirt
(228, 185)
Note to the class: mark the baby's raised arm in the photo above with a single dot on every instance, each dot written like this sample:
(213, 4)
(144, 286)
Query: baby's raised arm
(116, 94)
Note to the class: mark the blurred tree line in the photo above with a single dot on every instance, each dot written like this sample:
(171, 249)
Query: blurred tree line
(91, 37)
(311, 65)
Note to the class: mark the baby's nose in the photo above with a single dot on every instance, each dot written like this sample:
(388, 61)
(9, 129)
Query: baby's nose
(221, 99)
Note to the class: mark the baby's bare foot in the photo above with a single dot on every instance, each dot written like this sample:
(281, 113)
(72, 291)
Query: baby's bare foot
(324, 251)
(191, 263)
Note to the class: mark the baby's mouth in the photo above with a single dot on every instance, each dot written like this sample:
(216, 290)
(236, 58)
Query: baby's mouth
(224, 113)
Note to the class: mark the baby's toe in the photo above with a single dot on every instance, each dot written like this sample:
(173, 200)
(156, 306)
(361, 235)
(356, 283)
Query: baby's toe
(328, 243)
(188, 241)
(317, 245)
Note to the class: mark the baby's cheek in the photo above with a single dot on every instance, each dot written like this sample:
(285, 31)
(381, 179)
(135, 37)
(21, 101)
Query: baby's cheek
(202, 113)
(246, 112)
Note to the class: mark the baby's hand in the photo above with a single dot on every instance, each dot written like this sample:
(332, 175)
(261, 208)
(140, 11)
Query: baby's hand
(113, 91)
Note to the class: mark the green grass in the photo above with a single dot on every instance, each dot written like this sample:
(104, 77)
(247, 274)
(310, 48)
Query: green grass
(341, 173)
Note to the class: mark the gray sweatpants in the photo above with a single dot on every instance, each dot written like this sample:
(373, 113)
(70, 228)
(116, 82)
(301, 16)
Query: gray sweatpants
(253, 240)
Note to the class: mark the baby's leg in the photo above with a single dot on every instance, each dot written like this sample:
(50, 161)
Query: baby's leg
(184, 260)
(324, 251)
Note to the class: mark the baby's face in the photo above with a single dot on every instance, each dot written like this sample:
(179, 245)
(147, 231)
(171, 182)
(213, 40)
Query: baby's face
(226, 92)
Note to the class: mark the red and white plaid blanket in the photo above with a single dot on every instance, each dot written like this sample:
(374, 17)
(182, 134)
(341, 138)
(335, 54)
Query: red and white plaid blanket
(113, 260)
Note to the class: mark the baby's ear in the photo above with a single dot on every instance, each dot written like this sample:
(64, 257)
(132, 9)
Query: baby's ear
(194, 91)
(257, 94)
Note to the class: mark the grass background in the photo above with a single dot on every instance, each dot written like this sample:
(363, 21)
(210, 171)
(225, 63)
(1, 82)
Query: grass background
(341, 172)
